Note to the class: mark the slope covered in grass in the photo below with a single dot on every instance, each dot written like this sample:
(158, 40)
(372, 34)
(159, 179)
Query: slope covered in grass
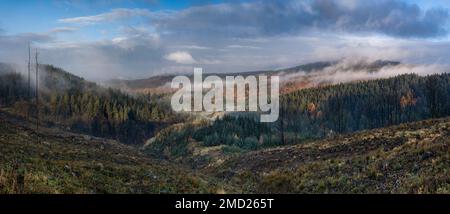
(409, 158)
(63, 162)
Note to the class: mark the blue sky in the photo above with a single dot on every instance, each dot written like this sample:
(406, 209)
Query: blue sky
(42, 15)
(140, 38)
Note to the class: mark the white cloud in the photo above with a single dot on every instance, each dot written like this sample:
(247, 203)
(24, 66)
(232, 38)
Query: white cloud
(115, 14)
(194, 47)
(63, 30)
(242, 47)
(181, 57)
(345, 71)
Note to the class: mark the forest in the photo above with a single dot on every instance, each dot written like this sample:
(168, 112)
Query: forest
(326, 111)
(81, 106)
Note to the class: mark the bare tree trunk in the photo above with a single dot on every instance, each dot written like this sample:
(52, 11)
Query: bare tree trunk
(29, 82)
(37, 96)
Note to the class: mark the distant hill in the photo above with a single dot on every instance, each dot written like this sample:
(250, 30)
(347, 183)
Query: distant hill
(6, 68)
(54, 79)
(292, 78)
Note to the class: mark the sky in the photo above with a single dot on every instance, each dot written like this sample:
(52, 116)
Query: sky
(118, 39)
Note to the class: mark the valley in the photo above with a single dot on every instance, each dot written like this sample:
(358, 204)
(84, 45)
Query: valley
(409, 158)
(369, 134)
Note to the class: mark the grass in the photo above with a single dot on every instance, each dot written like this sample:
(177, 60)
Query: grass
(63, 162)
(410, 158)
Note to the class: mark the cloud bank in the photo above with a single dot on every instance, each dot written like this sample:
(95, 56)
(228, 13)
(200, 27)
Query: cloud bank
(290, 17)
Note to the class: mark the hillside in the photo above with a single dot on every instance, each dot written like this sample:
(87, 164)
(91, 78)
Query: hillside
(63, 162)
(70, 101)
(5, 68)
(307, 115)
(409, 158)
(293, 78)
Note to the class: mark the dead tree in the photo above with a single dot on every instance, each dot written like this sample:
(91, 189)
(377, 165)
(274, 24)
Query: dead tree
(29, 81)
(37, 95)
